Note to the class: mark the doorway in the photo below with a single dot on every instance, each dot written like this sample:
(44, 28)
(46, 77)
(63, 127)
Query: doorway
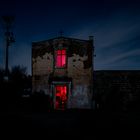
(61, 97)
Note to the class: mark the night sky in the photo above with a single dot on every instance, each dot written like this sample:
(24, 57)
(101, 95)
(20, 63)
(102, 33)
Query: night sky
(115, 24)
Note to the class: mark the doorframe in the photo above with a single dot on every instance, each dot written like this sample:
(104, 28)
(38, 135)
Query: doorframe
(68, 84)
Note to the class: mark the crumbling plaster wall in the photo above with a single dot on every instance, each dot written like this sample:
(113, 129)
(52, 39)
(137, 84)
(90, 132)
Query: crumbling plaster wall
(42, 68)
(79, 68)
(82, 80)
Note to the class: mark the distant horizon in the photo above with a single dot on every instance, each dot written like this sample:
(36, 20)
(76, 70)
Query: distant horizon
(112, 68)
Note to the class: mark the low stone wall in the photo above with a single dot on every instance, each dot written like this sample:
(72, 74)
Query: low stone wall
(117, 90)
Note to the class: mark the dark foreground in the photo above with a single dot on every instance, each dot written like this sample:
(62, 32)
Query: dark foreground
(71, 124)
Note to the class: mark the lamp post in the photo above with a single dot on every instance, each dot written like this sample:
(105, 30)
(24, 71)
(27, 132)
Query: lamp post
(8, 20)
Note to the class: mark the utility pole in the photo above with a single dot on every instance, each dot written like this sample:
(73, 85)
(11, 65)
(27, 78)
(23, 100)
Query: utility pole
(8, 20)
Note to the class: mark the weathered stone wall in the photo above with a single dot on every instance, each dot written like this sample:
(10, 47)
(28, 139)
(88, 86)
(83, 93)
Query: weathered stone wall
(79, 69)
(42, 67)
(82, 80)
(117, 90)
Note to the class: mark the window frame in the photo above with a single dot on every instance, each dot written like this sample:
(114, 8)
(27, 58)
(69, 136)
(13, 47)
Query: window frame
(55, 58)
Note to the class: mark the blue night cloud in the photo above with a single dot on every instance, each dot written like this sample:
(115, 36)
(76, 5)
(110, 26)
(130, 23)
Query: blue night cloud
(114, 25)
(117, 41)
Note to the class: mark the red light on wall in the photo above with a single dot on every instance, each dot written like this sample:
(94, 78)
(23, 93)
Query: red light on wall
(60, 58)
(61, 96)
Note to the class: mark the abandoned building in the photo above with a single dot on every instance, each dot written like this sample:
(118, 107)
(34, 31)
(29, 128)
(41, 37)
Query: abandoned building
(62, 68)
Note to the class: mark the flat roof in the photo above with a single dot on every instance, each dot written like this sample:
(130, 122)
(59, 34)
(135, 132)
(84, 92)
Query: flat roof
(67, 38)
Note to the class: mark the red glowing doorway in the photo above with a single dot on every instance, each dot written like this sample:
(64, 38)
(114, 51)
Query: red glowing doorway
(60, 96)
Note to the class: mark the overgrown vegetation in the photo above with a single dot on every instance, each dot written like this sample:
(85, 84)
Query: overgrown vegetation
(16, 93)
(13, 89)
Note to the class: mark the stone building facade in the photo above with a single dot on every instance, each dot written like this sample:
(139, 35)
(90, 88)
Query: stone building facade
(62, 68)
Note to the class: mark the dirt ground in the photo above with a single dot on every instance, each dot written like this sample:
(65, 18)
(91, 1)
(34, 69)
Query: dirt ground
(71, 123)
